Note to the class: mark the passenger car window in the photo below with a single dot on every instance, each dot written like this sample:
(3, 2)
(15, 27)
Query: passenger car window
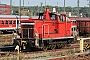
(6, 22)
(2, 22)
(14, 22)
(10, 22)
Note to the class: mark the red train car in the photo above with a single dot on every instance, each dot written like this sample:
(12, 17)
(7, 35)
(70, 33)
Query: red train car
(10, 22)
(83, 25)
(49, 31)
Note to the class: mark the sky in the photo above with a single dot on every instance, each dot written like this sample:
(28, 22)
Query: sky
(72, 3)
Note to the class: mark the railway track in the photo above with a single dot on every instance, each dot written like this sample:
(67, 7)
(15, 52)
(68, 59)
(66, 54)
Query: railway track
(73, 49)
(71, 46)
(56, 54)
(77, 56)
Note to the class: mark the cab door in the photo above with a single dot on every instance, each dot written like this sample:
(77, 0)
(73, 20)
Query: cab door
(61, 26)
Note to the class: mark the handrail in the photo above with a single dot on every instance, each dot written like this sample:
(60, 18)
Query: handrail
(83, 38)
(44, 29)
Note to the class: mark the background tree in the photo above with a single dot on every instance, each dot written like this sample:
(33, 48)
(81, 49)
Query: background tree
(34, 10)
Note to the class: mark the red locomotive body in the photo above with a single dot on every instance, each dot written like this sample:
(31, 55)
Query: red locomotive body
(10, 22)
(50, 30)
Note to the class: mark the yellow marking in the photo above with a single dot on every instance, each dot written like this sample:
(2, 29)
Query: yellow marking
(24, 41)
(87, 46)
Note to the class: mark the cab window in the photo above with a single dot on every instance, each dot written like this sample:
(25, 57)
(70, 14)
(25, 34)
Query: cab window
(41, 15)
(53, 16)
(62, 18)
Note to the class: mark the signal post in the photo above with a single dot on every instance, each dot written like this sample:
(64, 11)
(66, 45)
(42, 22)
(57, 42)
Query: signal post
(82, 43)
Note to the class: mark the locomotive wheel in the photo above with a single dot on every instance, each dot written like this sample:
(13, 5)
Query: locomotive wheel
(70, 41)
(59, 45)
(62, 45)
(53, 47)
(44, 48)
(49, 46)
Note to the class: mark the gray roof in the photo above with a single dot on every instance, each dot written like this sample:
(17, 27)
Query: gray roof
(12, 16)
(35, 17)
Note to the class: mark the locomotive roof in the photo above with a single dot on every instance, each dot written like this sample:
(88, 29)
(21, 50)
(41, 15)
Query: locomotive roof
(12, 16)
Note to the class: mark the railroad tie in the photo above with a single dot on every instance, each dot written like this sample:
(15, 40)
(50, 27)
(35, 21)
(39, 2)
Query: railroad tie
(67, 58)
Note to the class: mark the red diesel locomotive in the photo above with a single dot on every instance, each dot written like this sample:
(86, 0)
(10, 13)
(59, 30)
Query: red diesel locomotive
(49, 31)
